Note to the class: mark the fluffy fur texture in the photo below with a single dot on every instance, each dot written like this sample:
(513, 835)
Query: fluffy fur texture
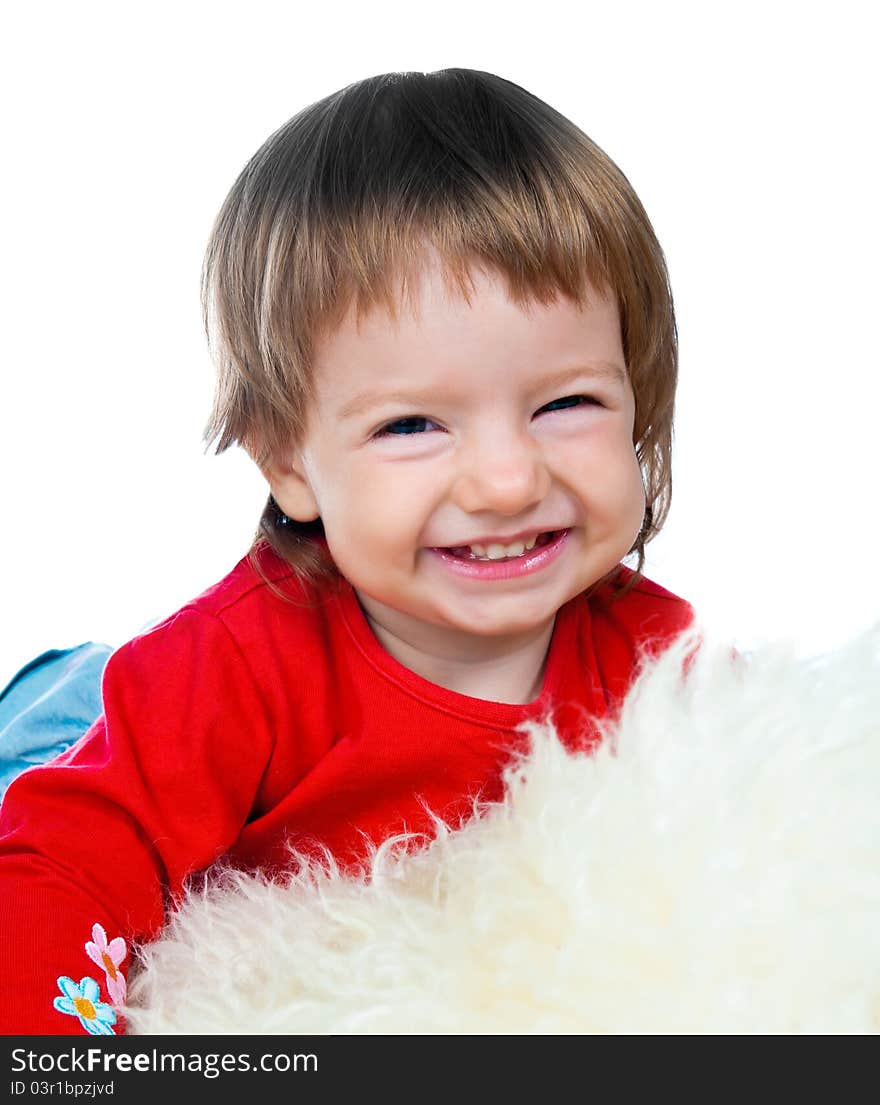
(713, 868)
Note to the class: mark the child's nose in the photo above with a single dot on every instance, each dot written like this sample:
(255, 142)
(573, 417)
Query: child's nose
(507, 476)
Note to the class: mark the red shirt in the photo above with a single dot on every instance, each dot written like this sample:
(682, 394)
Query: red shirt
(243, 721)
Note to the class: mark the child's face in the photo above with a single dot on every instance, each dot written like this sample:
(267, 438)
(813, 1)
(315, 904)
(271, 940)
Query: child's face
(477, 444)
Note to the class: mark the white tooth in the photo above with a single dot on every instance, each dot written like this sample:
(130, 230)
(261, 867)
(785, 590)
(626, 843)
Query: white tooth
(499, 552)
(531, 543)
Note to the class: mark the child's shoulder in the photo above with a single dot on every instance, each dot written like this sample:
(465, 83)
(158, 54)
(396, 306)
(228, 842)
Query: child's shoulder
(244, 639)
(259, 577)
(259, 598)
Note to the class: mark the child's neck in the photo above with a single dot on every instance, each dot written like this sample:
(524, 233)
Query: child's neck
(511, 670)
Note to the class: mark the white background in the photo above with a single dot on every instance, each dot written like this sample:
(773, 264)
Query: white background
(749, 133)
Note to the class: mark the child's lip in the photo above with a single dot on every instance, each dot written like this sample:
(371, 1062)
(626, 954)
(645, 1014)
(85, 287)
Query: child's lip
(529, 563)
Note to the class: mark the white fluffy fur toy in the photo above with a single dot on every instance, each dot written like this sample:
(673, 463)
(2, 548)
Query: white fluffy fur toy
(713, 868)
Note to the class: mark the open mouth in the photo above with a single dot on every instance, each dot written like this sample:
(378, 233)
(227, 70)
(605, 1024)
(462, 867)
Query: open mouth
(500, 553)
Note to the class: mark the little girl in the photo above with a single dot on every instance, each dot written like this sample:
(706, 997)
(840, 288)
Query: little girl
(443, 330)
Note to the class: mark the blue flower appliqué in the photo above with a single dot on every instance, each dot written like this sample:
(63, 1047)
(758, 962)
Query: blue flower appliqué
(81, 1001)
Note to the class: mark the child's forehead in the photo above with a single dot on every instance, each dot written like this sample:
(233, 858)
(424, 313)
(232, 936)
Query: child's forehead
(430, 285)
(437, 332)
(408, 290)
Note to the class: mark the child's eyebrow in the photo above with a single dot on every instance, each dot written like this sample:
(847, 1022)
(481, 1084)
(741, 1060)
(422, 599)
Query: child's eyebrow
(609, 371)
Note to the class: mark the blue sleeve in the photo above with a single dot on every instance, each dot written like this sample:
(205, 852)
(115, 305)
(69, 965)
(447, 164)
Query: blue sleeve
(48, 705)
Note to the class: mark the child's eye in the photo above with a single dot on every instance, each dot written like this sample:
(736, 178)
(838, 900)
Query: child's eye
(571, 401)
(403, 427)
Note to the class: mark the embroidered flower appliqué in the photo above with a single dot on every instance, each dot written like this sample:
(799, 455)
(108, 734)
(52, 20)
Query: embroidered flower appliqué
(81, 1000)
(108, 957)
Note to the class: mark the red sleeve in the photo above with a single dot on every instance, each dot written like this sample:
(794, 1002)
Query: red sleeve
(92, 843)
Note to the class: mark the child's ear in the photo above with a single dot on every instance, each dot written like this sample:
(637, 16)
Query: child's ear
(290, 487)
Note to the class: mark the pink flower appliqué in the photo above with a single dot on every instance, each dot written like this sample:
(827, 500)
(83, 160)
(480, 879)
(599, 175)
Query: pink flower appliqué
(108, 957)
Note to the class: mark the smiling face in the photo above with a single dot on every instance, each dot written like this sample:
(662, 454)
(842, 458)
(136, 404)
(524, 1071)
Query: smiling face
(460, 423)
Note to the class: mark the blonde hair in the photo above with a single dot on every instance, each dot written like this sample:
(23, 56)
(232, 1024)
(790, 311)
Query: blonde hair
(336, 204)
